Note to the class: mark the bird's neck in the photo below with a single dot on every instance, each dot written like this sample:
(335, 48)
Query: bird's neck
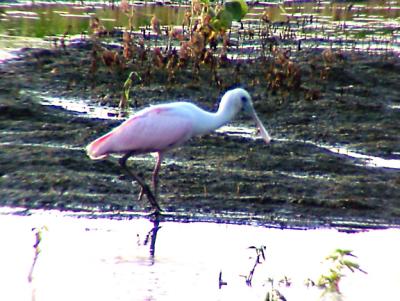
(224, 114)
(207, 122)
(213, 121)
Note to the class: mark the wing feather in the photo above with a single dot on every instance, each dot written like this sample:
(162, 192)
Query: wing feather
(152, 130)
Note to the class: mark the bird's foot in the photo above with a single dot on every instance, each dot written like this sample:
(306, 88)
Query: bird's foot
(155, 213)
(155, 207)
(145, 190)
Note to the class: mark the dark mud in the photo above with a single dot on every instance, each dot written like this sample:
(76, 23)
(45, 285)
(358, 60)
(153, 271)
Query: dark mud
(350, 101)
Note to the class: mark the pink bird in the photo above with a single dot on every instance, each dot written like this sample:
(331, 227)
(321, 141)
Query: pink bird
(160, 128)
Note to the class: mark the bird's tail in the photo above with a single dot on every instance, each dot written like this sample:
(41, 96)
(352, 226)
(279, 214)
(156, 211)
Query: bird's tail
(99, 149)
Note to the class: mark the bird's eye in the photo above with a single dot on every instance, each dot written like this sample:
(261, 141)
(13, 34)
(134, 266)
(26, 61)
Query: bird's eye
(243, 99)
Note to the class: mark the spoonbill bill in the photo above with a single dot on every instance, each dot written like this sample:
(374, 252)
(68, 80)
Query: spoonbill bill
(159, 128)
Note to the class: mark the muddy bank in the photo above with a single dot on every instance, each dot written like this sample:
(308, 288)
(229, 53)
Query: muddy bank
(351, 101)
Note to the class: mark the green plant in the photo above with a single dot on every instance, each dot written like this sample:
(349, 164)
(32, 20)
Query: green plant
(340, 260)
(221, 17)
(124, 102)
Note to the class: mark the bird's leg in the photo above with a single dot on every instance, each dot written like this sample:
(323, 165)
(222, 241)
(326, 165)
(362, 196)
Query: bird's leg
(154, 177)
(155, 173)
(146, 190)
(141, 193)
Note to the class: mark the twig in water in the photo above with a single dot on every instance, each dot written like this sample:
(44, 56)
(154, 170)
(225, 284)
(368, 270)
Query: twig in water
(38, 235)
(260, 258)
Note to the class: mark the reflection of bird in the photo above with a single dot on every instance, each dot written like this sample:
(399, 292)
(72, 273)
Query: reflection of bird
(162, 127)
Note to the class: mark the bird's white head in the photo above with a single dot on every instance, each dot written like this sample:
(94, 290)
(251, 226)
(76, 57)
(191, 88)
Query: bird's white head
(238, 100)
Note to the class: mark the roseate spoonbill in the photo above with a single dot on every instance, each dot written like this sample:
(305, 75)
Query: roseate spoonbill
(162, 127)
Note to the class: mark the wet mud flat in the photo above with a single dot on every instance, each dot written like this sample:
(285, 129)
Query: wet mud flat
(351, 101)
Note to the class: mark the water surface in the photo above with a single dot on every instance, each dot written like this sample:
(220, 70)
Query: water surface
(366, 25)
(107, 259)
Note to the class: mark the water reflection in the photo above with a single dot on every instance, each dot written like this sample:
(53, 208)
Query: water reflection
(51, 19)
(152, 236)
(109, 259)
(367, 25)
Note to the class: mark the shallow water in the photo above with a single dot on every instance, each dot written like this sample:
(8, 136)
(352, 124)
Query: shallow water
(368, 25)
(107, 259)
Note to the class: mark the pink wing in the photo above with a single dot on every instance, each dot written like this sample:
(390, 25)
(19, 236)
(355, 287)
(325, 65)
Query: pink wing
(153, 130)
